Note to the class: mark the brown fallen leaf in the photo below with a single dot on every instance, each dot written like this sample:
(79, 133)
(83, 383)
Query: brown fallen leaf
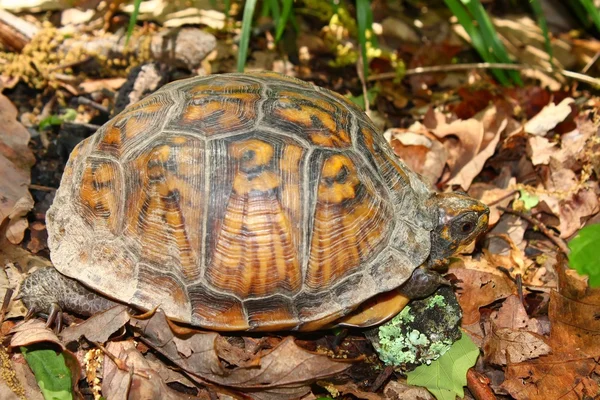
(513, 335)
(351, 388)
(573, 210)
(24, 377)
(478, 289)
(540, 149)
(503, 344)
(396, 390)
(570, 371)
(16, 160)
(422, 152)
(510, 226)
(147, 381)
(285, 371)
(469, 143)
(99, 327)
(31, 332)
(549, 117)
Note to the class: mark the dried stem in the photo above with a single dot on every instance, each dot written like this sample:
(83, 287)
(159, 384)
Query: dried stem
(542, 227)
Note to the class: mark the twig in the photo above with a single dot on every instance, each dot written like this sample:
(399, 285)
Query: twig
(42, 188)
(463, 67)
(93, 104)
(7, 296)
(120, 363)
(493, 203)
(71, 64)
(541, 226)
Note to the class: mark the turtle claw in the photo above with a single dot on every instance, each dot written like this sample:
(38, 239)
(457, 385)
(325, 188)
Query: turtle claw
(54, 317)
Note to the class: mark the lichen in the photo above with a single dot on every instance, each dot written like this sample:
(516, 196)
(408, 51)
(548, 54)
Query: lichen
(420, 333)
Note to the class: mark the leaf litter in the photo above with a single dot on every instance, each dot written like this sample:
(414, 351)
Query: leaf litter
(530, 150)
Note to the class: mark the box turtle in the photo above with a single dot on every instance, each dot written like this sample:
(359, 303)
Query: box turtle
(246, 202)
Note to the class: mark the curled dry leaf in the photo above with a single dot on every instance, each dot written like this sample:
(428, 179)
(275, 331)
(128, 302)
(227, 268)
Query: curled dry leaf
(477, 289)
(31, 332)
(16, 160)
(514, 336)
(422, 152)
(549, 117)
(469, 143)
(99, 327)
(285, 370)
(509, 225)
(572, 211)
(396, 390)
(146, 382)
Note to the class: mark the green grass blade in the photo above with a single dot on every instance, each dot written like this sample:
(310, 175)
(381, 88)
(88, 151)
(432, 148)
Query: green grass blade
(227, 5)
(536, 6)
(490, 37)
(285, 16)
(246, 32)
(133, 20)
(275, 10)
(464, 18)
(363, 16)
(592, 11)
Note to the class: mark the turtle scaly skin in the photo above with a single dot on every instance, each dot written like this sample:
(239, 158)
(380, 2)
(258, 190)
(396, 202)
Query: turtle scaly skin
(247, 202)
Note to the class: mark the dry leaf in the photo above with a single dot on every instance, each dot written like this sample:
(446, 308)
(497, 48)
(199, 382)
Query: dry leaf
(147, 381)
(514, 336)
(423, 154)
(25, 378)
(503, 345)
(469, 143)
(16, 160)
(33, 331)
(99, 327)
(285, 370)
(478, 289)
(549, 117)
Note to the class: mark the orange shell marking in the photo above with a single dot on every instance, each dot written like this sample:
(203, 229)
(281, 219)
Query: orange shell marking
(221, 106)
(255, 253)
(350, 223)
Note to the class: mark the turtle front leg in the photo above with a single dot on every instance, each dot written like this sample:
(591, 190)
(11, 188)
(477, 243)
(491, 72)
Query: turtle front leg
(48, 291)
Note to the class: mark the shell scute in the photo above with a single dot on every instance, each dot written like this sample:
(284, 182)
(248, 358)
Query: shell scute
(214, 310)
(135, 124)
(219, 105)
(98, 195)
(254, 242)
(165, 187)
(352, 222)
(305, 113)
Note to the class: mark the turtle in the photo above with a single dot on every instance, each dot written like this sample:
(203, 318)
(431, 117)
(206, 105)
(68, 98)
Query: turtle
(246, 201)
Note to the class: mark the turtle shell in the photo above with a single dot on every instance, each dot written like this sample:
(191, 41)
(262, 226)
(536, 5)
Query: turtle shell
(240, 202)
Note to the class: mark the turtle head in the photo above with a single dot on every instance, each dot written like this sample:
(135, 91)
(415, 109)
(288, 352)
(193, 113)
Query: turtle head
(460, 220)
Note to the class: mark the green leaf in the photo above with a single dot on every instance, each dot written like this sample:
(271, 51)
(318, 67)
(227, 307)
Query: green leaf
(446, 376)
(536, 6)
(51, 373)
(479, 43)
(133, 19)
(69, 115)
(529, 200)
(246, 31)
(285, 15)
(585, 253)
(592, 11)
(364, 14)
(360, 99)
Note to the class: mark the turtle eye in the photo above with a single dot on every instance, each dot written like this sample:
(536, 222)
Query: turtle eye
(467, 227)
